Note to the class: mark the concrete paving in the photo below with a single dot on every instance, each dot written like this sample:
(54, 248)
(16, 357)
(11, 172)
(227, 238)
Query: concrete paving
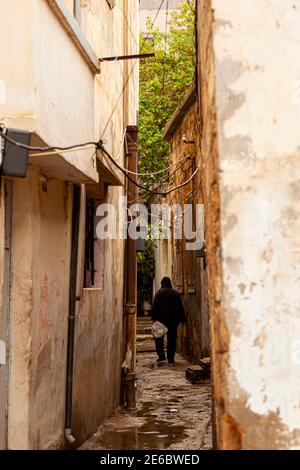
(171, 412)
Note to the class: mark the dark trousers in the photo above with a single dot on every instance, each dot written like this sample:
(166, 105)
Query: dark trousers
(171, 346)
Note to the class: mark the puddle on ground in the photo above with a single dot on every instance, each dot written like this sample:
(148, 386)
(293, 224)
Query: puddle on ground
(153, 434)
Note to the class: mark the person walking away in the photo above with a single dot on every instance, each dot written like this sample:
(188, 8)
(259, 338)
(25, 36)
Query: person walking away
(167, 308)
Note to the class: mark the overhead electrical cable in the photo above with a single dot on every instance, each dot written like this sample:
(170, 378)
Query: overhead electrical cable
(162, 193)
(131, 71)
(59, 152)
(160, 171)
(45, 151)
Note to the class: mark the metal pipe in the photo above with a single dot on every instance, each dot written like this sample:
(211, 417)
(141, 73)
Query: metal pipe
(68, 436)
(71, 318)
(129, 365)
(126, 57)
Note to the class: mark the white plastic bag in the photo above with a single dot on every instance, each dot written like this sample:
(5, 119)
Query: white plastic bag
(159, 329)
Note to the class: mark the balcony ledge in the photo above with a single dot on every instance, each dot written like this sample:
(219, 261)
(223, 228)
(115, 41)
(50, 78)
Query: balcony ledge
(75, 33)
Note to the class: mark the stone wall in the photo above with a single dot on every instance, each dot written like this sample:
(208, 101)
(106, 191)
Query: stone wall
(188, 269)
(208, 157)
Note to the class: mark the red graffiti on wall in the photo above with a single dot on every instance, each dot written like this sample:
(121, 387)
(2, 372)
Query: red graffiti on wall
(44, 317)
(44, 293)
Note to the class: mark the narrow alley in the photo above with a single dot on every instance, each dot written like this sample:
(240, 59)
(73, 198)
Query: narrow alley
(171, 412)
(149, 226)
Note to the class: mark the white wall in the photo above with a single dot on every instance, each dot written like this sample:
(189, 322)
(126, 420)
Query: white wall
(49, 86)
(256, 50)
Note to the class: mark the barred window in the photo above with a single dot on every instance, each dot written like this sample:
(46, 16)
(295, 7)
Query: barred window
(94, 249)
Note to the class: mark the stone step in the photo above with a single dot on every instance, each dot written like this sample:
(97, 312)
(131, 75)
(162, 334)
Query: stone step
(144, 330)
(145, 342)
(144, 337)
(145, 347)
(144, 321)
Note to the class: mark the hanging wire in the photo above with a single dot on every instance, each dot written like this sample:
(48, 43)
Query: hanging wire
(131, 71)
(161, 193)
(46, 154)
(161, 217)
(45, 149)
(183, 159)
(99, 145)
(87, 146)
(150, 173)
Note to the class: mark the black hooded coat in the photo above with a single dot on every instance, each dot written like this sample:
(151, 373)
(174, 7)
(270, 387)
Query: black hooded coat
(167, 308)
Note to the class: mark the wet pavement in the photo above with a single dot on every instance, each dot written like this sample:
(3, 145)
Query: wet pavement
(171, 412)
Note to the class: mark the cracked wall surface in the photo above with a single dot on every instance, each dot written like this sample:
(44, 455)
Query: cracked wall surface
(255, 263)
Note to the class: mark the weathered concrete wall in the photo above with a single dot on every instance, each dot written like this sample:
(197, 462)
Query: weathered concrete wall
(248, 68)
(99, 326)
(41, 92)
(39, 312)
(112, 33)
(60, 97)
(98, 344)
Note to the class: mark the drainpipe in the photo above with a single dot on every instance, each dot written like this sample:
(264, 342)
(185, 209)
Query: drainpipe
(71, 319)
(130, 307)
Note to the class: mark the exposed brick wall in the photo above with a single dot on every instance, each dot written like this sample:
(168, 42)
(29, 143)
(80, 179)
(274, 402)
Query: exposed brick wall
(188, 271)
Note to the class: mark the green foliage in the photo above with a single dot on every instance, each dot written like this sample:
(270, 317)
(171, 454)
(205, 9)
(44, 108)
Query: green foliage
(163, 82)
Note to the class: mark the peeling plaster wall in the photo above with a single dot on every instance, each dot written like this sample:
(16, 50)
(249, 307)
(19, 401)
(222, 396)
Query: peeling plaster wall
(46, 86)
(63, 107)
(113, 33)
(99, 343)
(39, 322)
(39, 312)
(99, 326)
(37, 68)
(257, 377)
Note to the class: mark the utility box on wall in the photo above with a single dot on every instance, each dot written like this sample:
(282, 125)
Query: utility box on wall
(15, 158)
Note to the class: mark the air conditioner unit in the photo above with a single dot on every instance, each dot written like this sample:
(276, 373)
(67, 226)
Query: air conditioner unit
(15, 159)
